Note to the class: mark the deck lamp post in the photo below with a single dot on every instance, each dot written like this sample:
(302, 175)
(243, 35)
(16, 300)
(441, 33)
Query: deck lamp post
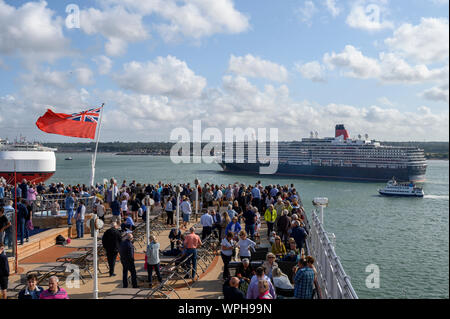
(178, 191)
(148, 202)
(197, 184)
(95, 224)
(113, 188)
(321, 202)
(16, 258)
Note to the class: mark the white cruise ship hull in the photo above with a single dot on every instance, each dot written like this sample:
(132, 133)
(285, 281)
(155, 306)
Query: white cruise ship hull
(34, 166)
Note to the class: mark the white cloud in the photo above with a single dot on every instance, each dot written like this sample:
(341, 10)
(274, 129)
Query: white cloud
(152, 117)
(351, 58)
(369, 16)
(140, 107)
(46, 78)
(104, 64)
(189, 18)
(116, 24)
(200, 18)
(386, 102)
(85, 76)
(332, 7)
(165, 76)
(389, 68)
(256, 67)
(395, 69)
(307, 12)
(32, 31)
(313, 71)
(40, 90)
(426, 42)
(438, 93)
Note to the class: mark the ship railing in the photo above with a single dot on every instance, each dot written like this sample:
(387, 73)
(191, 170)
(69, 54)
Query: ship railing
(333, 281)
(44, 203)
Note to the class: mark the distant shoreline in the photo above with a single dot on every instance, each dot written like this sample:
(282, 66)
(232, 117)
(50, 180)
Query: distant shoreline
(144, 154)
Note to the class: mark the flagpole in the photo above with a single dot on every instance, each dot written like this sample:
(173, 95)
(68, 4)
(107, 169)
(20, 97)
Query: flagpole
(16, 258)
(95, 253)
(94, 159)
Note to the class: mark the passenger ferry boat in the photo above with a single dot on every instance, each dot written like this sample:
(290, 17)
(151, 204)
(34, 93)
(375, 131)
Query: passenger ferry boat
(336, 157)
(394, 189)
(30, 161)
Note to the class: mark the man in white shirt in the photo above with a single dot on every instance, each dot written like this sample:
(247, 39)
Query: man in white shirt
(186, 209)
(207, 221)
(79, 217)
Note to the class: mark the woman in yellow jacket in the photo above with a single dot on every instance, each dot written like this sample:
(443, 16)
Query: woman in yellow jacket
(278, 248)
(270, 216)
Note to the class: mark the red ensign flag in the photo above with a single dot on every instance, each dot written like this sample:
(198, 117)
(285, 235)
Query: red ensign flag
(81, 124)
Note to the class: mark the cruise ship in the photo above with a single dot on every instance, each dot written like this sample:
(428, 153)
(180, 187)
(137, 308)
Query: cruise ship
(337, 157)
(30, 161)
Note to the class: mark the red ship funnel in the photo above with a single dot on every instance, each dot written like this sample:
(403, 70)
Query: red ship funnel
(340, 130)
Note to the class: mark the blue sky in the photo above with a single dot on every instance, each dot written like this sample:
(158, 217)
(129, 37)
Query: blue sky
(379, 66)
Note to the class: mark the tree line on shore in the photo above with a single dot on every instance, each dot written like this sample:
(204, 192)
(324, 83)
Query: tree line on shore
(433, 150)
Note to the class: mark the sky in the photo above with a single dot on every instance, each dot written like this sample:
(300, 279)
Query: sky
(381, 67)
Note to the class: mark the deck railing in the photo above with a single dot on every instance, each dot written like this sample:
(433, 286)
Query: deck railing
(333, 281)
(42, 206)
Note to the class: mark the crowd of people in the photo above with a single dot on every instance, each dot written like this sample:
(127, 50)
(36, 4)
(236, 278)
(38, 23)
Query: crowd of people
(238, 227)
(286, 234)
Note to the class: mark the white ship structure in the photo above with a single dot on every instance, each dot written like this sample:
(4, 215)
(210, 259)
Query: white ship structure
(30, 161)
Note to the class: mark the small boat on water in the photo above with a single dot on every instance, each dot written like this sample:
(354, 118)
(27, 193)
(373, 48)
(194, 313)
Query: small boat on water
(68, 158)
(395, 189)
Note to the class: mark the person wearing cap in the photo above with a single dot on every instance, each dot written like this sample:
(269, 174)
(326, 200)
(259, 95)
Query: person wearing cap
(191, 243)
